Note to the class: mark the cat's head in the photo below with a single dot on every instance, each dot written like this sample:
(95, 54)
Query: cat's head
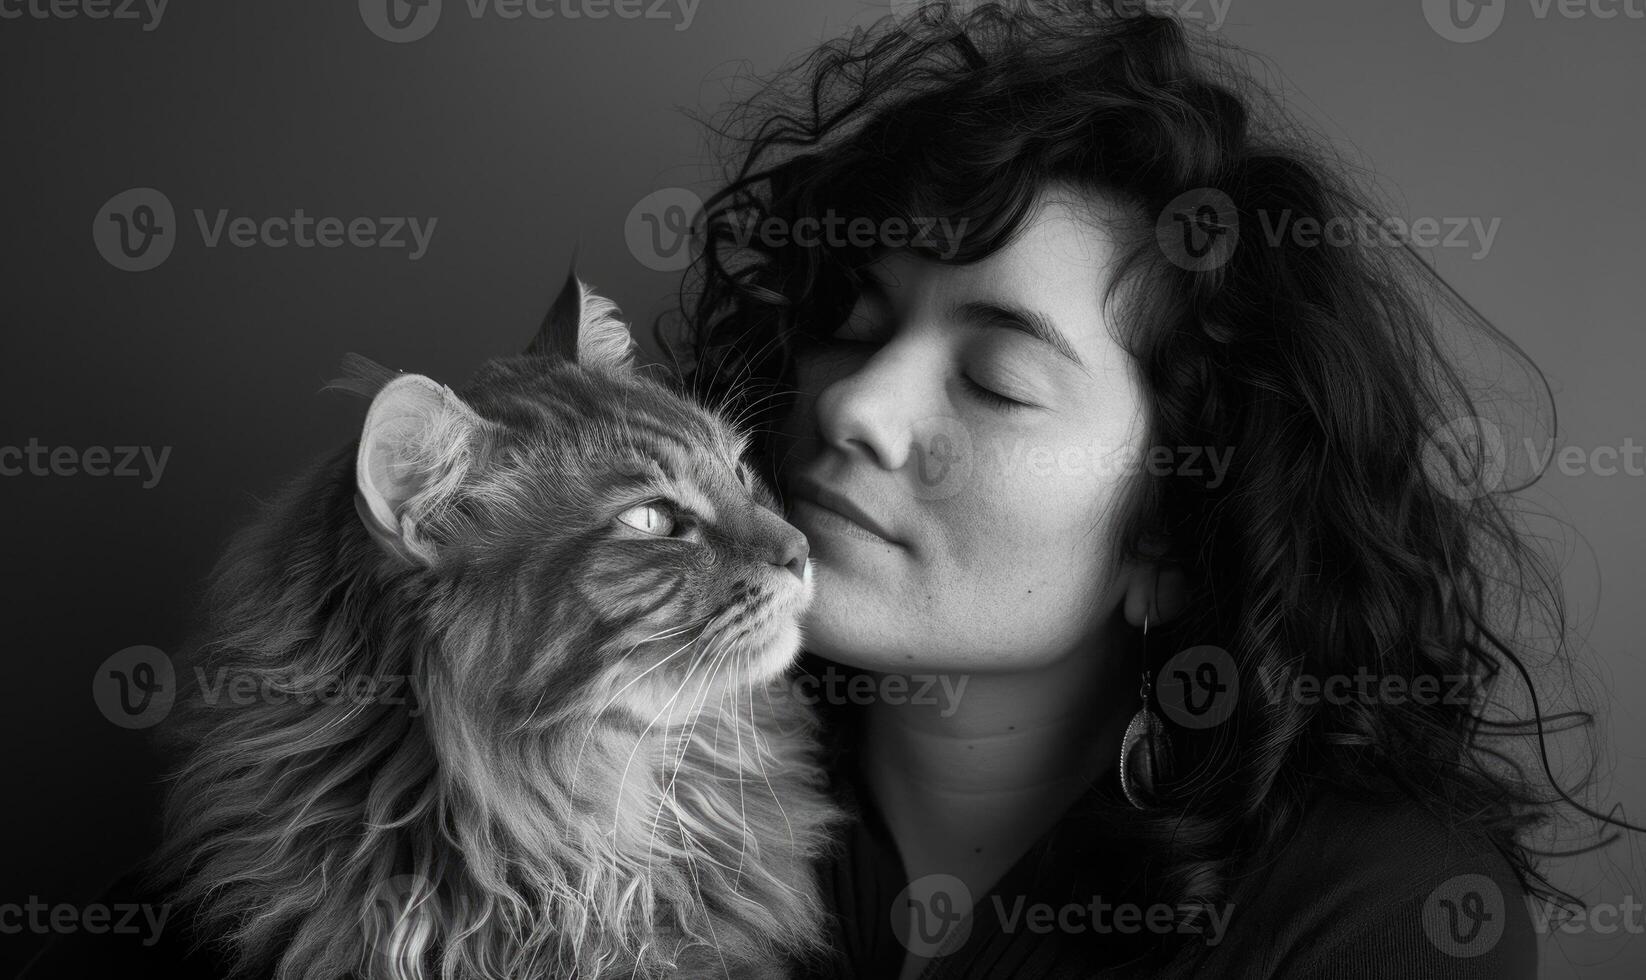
(586, 535)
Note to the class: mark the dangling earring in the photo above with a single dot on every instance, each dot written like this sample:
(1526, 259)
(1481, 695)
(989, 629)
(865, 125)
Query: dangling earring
(1145, 754)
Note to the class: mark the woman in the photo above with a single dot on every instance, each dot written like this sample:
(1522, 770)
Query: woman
(1180, 514)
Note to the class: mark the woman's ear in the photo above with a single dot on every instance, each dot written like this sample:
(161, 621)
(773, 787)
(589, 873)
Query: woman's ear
(1156, 592)
(416, 446)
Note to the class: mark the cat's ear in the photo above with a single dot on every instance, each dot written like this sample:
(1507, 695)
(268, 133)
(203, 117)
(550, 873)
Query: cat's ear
(415, 448)
(584, 328)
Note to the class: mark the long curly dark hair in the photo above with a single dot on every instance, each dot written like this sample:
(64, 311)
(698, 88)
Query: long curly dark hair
(1365, 525)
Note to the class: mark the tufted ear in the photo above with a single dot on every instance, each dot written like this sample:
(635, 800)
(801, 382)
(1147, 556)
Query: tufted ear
(417, 444)
(584, 328)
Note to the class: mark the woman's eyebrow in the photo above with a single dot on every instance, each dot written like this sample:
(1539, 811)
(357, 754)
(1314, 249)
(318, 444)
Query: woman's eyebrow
(1023, 320)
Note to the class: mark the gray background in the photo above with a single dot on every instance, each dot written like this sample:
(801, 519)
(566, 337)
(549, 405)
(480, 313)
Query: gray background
(525, 136)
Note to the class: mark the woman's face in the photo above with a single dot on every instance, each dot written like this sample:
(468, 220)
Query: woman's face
(975, 530)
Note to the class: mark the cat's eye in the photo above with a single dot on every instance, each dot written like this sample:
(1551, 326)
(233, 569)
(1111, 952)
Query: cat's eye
(652, 518)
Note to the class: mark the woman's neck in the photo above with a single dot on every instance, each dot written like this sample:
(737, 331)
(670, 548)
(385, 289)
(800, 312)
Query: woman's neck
(966, 788)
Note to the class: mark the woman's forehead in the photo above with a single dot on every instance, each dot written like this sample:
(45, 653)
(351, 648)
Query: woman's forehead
(1057, 270)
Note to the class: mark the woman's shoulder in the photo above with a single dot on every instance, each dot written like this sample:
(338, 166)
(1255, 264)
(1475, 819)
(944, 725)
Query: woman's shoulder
(1363, 888)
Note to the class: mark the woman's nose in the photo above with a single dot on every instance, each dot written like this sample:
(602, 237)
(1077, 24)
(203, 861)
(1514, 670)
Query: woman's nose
(866, 408)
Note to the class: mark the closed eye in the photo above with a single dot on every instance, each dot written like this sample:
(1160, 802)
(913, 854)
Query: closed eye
(991, 396)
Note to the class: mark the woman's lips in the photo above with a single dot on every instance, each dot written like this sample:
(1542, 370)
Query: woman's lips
(816, 516)
(828, 508)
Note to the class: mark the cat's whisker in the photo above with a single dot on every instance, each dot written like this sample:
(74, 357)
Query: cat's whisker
(742, 802)
(669, 633)
(623, 777)
(718, 659)
(762, 770)
(691, 863)
(582, 746)
(697, 703)
(757, 418)
(720, 362)
(748, 408)
(665, 797)
(525, 855)
(751, 359)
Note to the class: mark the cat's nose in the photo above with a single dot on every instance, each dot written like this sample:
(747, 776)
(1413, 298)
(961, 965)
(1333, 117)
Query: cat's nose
(792, 549)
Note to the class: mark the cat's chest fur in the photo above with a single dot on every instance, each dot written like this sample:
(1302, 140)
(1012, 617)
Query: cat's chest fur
(708, 831)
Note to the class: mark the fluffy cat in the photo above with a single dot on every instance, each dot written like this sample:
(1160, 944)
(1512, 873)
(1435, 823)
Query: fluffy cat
(521, 709)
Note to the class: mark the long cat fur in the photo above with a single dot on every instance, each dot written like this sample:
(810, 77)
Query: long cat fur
(530, 809)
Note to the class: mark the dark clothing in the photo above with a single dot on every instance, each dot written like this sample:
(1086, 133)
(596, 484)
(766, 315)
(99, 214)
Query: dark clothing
(1359, 891)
